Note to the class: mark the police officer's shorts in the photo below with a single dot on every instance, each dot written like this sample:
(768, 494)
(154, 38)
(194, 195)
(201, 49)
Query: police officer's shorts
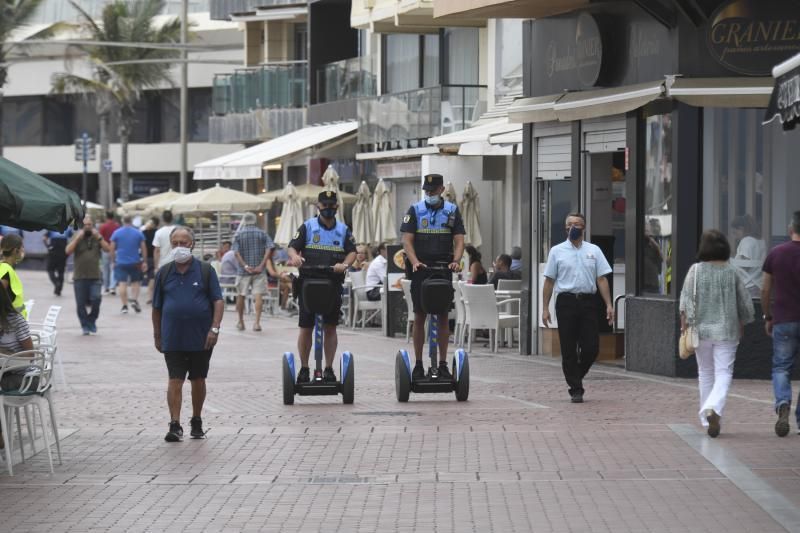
(416, 286)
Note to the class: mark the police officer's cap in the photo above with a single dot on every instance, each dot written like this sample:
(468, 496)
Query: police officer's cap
(431, 182)
(328, 197)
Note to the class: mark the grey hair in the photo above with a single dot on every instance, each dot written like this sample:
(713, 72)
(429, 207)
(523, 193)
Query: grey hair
(127, 219)
(187, 229)
(249, 219)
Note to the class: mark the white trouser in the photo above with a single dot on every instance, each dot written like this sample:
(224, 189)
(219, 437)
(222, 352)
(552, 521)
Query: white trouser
(715, 373)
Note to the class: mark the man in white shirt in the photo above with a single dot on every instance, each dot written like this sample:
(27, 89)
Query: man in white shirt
(376, 273)
(162, 248)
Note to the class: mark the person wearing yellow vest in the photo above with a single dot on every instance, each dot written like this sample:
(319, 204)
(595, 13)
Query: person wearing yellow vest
(12, 252)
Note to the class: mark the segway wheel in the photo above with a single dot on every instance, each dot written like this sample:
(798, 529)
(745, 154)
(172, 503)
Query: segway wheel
(402, 378)
(288, 379)
(461, 375)
(348, 378)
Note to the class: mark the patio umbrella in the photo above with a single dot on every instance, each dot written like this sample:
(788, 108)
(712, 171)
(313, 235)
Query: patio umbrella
(308, 193)
(331, 181)
(450, 193)
(217, 198)
(155, 202)
(383, 215)
(291, 215)
(471, 213)
(31, 202)
(362, 216)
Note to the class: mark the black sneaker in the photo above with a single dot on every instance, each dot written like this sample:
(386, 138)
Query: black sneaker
(418, 372)
(782, 425)
(175, 433)
(328, 376)
(444, 372)
(135, 306)
(124, 310)
(577, 397)
(303, 376)
(197, 428)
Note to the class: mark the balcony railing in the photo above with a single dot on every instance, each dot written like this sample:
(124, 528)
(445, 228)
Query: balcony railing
(400, 120)
(265, 87)
(346, 79)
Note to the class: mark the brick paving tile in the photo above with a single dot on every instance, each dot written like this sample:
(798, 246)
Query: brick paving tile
(517, 457)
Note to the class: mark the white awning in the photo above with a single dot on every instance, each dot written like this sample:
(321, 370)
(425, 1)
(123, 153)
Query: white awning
(267, 14)
(247, 164)
(606, 102)
(535, 109)
(722, 92)
(784, 68)
(477, 133)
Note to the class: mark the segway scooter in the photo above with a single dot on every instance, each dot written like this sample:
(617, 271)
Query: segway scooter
(318, 292)
(436, 295)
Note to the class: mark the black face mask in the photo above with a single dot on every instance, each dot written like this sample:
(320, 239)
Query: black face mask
(328, 212)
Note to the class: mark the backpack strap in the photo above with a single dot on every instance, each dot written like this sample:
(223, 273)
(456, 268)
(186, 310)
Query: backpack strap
(205, 273)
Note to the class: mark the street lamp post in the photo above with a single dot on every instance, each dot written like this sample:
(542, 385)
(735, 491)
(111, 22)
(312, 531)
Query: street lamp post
(184, 94)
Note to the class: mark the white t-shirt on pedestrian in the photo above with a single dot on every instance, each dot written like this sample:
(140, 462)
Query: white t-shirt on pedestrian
(376, 271)
(162, 242)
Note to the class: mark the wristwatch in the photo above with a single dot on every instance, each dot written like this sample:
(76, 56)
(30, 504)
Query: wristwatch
(767, 318)
(215, 331)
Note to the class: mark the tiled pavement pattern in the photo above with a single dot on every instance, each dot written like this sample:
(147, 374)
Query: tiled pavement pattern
(517, 457)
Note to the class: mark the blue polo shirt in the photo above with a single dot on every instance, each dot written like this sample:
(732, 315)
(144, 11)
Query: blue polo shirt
(576, 269)
(127, 240)
(186, 309)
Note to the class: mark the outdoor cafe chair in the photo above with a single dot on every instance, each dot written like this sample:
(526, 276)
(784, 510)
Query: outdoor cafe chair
(461, 314)
(482, 312)
(47, 333)
(368, 309)
(406, 284)
(35, 369)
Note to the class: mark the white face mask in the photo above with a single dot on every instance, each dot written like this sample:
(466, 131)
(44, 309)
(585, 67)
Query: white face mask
(433, 199)
(182, 254)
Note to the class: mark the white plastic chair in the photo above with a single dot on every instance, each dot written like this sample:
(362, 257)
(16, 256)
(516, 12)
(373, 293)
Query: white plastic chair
(47, 332)
(509, 284)
(406, 284)
(367, 308)
(35, 364)
(29, 307)
(483, 312)
(461, 314)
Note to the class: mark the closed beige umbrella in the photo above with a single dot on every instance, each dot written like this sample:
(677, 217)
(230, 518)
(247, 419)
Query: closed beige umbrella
(155, 202)
(471, 213)
(450, 193)
(330, 179)
(291, 215)
(362, 216)
(383, 215)
(308, 194)
(216, 199)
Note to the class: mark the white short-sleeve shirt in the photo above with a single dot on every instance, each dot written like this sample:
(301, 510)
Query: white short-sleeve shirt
(162, 242)
(576, 269)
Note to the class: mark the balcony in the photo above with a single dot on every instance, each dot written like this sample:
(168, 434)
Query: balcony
(408, 119)
(347, 79)
(223, 9)
(259, 103)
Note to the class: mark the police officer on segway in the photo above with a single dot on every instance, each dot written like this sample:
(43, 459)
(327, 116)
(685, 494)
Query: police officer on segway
(433, 232)
(322, 241)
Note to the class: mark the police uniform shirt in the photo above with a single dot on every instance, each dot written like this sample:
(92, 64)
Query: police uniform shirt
(576, 269)
(340, 237)
(445, 216)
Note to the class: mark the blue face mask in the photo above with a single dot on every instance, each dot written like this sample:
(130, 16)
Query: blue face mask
(433, 199)
(328, 212)
(575, 233)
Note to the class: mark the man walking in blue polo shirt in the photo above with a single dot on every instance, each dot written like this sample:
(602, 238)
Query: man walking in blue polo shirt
(576, 269)
(129, 257)
(187, 311)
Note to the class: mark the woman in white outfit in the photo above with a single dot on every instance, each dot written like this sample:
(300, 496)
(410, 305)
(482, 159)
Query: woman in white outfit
(719, 310)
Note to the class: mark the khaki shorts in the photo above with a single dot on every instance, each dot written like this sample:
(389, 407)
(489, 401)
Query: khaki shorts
(257, 284)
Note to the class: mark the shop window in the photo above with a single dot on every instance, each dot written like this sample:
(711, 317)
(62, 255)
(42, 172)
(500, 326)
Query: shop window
(750, 187)
(656, 264)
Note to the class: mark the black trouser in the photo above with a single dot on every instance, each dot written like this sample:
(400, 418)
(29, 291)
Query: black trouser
(56, 264)
(579, 336)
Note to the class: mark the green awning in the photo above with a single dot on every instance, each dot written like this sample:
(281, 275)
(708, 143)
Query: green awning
(31, 202)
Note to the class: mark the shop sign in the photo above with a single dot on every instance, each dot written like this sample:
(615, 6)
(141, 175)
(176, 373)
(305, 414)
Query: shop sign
(785, 101)
(750, 36)
(573, 51)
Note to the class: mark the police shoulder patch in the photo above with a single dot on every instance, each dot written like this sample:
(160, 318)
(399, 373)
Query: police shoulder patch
(297, 234)
(407, 219)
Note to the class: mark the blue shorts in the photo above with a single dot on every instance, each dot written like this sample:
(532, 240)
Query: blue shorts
(128, 273)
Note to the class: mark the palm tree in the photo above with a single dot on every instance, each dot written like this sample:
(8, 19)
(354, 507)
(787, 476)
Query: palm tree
(15, 14)
(122, 73)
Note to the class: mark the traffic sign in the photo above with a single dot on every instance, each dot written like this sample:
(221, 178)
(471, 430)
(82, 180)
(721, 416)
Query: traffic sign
(107, 165)
(84, 148)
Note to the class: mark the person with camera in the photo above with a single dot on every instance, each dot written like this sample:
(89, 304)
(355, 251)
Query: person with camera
(87, 246)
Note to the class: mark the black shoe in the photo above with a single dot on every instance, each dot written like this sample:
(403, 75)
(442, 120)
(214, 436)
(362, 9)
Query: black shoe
(713, 423)
(197, 428)
(175, 433)
(124, 310)
(303, 376)
(135, 306)
(782, 425)
(444, 372)
(328, 376)
(577, 397)
(418, 372)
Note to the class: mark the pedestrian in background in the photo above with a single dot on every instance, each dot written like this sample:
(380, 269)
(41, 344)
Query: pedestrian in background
(782, 319)
(516, 259)
(162, 248)
(149, 232)
(129, 257)
(502, 270)
(376, 272)
(576, 269)
(12, 252)
(56, 243)
(716, 303)
(253, 248)
(87, 246)
(477, 274)
(187, 312)
(107, 229)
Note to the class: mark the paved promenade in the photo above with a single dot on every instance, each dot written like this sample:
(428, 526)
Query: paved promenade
(518, 456)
